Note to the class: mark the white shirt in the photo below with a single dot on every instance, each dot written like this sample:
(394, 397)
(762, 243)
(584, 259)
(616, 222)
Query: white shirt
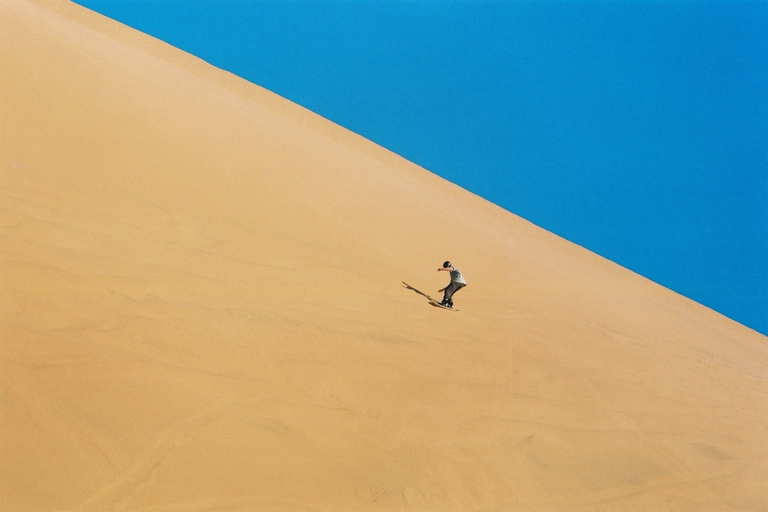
(456, 276)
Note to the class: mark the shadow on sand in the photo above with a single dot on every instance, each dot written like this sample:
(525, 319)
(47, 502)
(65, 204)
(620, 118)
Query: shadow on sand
(406, 285)
(432, 301)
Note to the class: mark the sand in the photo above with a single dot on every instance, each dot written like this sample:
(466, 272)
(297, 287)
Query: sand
(202, 308)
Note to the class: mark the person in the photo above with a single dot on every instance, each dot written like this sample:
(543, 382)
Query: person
(457, 283)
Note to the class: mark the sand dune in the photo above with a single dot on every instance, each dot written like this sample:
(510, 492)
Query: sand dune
(203, 308)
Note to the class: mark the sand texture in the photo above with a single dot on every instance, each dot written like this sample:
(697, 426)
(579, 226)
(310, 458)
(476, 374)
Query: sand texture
(202, 307)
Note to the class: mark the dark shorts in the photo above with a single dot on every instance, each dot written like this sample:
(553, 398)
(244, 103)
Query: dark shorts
(450, 290)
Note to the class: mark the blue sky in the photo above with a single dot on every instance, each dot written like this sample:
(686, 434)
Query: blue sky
(637, 129)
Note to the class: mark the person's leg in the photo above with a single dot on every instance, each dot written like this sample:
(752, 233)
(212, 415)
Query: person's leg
(450, 301)
(449, 291)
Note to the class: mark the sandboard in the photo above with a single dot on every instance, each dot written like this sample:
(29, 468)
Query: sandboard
(433, 302)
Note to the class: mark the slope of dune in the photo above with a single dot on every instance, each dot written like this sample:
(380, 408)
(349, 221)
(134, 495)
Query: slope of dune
(202, 308)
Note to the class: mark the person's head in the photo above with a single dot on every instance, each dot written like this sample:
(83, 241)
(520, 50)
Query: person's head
(447, 264)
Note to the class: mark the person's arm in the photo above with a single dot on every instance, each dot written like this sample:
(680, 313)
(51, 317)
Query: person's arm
(441, 290)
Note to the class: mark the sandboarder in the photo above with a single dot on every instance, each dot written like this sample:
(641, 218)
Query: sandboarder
(456, 284)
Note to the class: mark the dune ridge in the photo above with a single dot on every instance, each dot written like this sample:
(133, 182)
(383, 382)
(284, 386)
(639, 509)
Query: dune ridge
(203, 308)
